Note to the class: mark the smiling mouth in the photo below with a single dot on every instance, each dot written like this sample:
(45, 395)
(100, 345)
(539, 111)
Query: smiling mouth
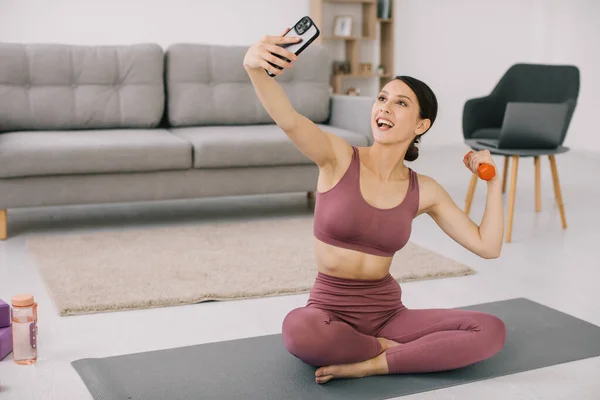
(384, 124)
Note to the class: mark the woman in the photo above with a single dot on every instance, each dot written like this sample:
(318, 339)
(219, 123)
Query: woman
(354, 323)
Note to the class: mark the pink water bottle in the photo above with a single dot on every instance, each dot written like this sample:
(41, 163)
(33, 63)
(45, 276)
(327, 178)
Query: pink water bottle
(24, 325)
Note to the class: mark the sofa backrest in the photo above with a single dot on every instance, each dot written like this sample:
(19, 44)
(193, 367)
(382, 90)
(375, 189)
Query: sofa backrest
(58, 86)
(207, 85)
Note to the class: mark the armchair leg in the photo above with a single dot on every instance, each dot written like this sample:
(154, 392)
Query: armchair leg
(538, 184)
(3, 225)
(511, 202)
(470, 193)
(505, 173)
(557, 192)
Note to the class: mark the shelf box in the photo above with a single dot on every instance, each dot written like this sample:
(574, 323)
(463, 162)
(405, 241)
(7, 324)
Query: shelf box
(369, 18)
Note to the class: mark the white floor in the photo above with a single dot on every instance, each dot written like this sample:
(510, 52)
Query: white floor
(543, 263)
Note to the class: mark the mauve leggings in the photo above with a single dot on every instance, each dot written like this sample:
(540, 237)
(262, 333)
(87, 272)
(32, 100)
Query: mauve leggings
(343, 318)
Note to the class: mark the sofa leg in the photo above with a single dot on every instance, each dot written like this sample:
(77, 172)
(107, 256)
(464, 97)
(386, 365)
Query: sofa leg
(470, 194)
(538, 184)
(557, 192)
(3, 225)
(512, 195)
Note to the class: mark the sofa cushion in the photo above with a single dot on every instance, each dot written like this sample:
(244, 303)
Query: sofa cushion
(35, 153)
(207, 85)
(59, 87)
(252, 145)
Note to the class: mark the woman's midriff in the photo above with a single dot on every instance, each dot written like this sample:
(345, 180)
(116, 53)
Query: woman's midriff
(350, 264)
(365, 304)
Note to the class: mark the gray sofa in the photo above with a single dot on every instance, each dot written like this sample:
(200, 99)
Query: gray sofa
(101, 124)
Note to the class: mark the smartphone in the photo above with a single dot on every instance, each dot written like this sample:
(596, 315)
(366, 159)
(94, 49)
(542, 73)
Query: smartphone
(305, 29)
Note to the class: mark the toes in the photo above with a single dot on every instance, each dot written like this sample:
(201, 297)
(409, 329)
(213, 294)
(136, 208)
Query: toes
(324, 379)
(323, 371)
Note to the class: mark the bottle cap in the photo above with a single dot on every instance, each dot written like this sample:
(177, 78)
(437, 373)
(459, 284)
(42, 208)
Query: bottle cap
(22, 300)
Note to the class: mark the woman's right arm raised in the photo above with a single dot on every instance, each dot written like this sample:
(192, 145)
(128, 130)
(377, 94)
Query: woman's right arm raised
(321, 147)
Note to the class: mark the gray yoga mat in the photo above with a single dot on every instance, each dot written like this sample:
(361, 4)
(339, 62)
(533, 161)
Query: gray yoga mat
(261, 368)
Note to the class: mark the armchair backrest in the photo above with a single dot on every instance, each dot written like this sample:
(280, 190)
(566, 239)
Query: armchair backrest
(540, 83)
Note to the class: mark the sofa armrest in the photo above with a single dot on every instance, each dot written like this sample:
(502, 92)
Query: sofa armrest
(352, 113)
(481, 112)
(534, 125)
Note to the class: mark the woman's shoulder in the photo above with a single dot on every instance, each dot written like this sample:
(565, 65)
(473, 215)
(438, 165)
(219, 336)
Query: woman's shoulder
(426, 182)
(430, 192)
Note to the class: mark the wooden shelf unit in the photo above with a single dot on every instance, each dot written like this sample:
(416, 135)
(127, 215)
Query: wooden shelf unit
(386, 47)
(380, 31)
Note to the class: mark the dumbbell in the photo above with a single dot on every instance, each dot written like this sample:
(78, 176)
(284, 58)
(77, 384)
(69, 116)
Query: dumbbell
(485, 171)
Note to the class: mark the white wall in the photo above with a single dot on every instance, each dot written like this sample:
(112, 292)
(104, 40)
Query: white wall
(231, 22)
(459, 47)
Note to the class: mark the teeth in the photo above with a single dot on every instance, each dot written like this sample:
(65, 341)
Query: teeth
(382, 122)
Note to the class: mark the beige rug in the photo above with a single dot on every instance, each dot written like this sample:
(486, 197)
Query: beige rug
(156, 267)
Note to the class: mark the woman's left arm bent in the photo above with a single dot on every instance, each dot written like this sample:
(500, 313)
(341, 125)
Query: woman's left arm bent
(485, 239)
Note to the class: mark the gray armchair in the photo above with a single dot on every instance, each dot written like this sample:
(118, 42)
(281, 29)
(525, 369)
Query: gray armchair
(527, 114)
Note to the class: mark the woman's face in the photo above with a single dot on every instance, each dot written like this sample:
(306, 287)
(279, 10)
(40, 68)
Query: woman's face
(395, 117)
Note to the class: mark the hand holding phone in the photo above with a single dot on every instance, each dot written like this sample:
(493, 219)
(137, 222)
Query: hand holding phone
(269, 50)
(306, 31)
(275, 53)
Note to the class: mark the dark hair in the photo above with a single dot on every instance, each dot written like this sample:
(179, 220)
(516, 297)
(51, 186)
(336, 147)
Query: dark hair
(428, 110)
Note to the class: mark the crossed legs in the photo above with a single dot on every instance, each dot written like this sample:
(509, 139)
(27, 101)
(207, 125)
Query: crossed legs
(441, 339)
(413, 341)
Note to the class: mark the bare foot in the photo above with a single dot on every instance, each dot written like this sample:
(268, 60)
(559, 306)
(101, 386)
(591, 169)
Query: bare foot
(387, 343)
(374, 366)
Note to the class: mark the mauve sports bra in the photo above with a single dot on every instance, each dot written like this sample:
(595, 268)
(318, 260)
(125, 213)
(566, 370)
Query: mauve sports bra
(343, 218)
